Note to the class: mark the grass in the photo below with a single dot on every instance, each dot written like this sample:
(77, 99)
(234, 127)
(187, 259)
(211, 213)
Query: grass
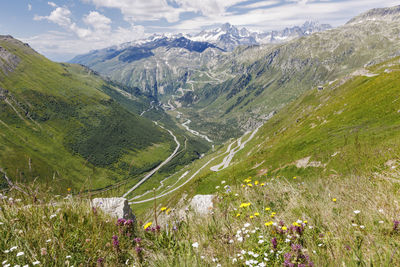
(59, 125)
(329, 221)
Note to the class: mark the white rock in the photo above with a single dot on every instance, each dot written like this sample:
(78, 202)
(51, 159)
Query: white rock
(202, 204)
(116, 206)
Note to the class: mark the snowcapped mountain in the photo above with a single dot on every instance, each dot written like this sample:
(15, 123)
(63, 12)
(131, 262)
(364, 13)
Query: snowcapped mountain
(228, 36)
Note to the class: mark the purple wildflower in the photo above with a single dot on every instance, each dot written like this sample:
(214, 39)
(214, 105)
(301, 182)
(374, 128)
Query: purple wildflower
(274, 242)
(137, 240)
(396, 225)
(115, 242)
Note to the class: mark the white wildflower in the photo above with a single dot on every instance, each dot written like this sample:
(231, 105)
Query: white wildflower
(217, 187)
(260, 241)
(356, 211)
(240, 239)
(362, 226)
(68, 257)
(52, 216)
(35, 262)
(230, 241)
(223, 182)
(320, 245)
(354, 224)
(287, 240)
(195, 245)
(4, 262)
(381, 210)
(48, 240)
(21, 253)
(243, 251)
(381, 222)
(234, 260)
(246, 225)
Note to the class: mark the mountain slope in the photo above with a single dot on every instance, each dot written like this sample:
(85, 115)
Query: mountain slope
(57, 124)
(267, 78)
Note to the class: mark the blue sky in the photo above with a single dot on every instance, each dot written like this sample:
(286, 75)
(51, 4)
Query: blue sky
(60, 29)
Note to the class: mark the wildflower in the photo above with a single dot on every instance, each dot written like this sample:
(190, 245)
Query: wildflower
(20, 254)
(250, 185)
(147, 225)
(362, 226)
(195, 245)
(69, 189)
(223, 182)
(248, 180)
(262, 184)
(48, 240)
(356, 211)
(256, 182)
(260, 241)
(35, 262)
(284, 228)
(381, 210)
(381, 222)
(13, 248)
(251, 216)
(168, 211)
(100, 261)
(163, 208)
(396, 225)
(267, 209)
(138, 250)
(68, 257)
(217, 187)
(237, 215)
(231, 241)
(246, 225)
(294, 177)
(274, 242)
(334, 199)
(115, 242)
(305, 222)
(4, 262)
(240, 239)
(268, 223)
(245, 205)
(256, 214)
(43, 251)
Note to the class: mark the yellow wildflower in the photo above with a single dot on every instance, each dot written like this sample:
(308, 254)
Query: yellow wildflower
(256, 182)
(237, 215)
(243, 185)
(295, 177)
(147, 225)
(167, 211)
(245, 205)
(250, 185)
(334, 199)
(284, 228)
(256, 214)
(262, 184)
(251, 217)
(269, 223)
(267, 209)
(248, 180)
(69, 189)
(295, 224)
(305, 222)
(163, 208)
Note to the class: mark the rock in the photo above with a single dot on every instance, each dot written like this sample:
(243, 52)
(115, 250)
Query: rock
(116, 206)
(202, 204)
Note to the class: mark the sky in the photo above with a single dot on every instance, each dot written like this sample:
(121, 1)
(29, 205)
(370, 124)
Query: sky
(61, 29)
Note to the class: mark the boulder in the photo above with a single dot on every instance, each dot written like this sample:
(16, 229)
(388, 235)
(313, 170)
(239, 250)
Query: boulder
(117, 207)
(202, 204)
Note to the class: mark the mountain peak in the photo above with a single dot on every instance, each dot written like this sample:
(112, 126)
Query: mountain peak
(389, 14)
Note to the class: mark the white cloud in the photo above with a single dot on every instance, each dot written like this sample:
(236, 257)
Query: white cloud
(141, 10)
(29, 7)
(52, 4)
(97, 21)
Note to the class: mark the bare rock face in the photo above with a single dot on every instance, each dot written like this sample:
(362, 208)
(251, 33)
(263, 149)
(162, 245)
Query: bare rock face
(117, 207)
(202, 204)
(8, 61)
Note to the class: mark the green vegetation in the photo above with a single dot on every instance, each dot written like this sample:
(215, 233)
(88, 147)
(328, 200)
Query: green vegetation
(58, 126)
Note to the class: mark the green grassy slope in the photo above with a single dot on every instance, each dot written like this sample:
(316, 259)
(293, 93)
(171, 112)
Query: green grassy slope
(57, 125)
(349, 128)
